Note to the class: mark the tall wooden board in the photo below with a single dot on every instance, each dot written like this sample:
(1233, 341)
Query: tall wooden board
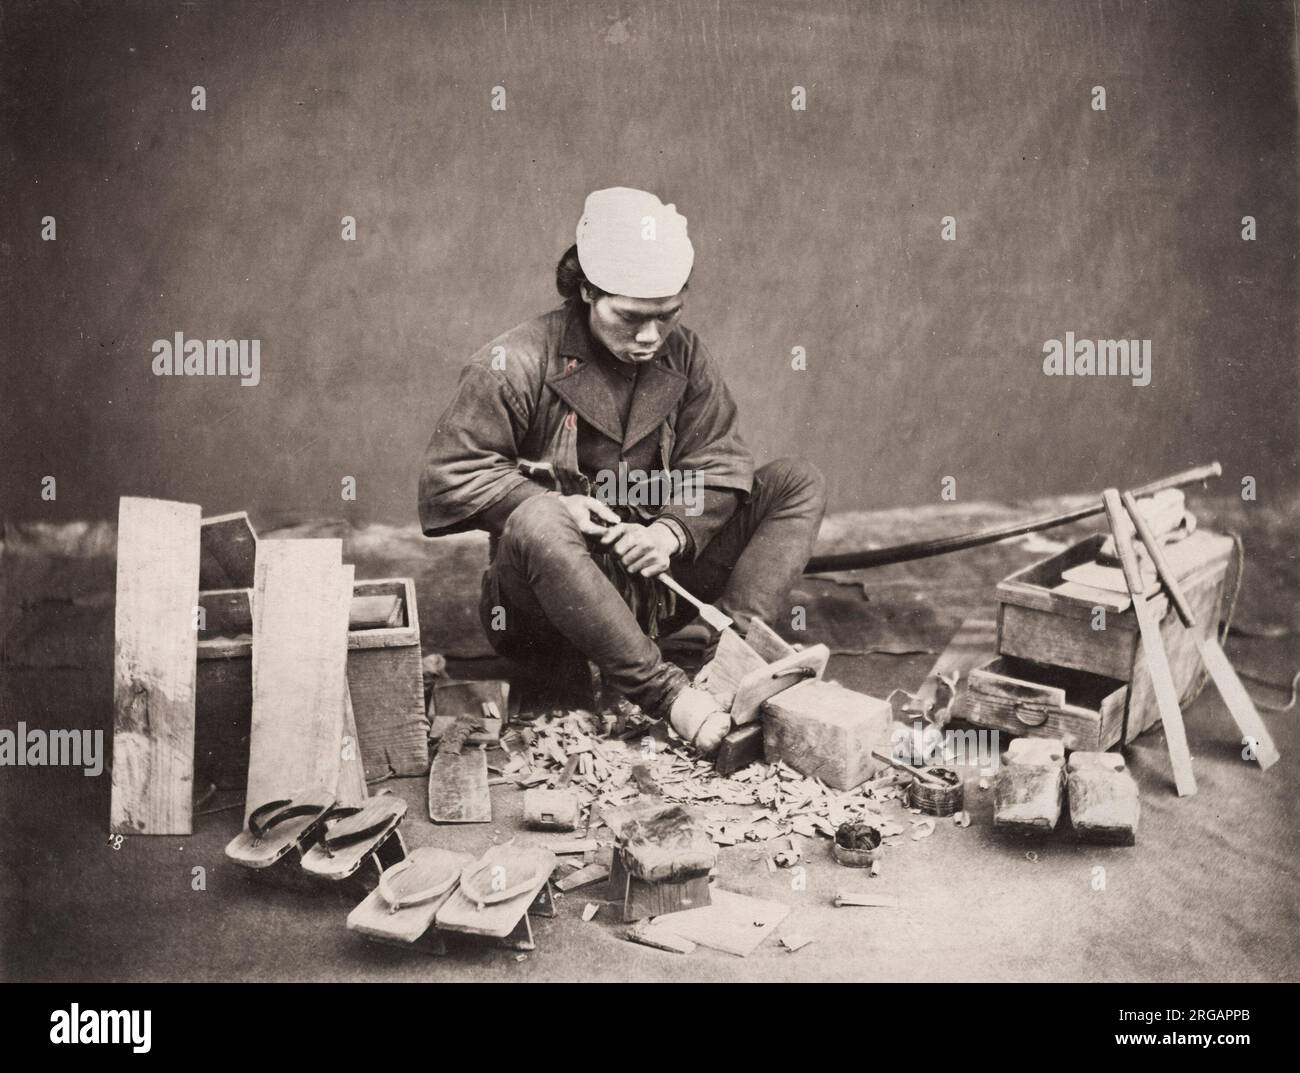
(154, 659)
(300, 624)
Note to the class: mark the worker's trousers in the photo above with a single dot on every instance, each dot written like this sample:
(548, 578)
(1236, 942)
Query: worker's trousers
(546, 601)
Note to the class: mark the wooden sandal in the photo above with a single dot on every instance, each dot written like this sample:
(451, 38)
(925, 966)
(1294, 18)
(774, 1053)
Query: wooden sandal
(351, 834)
(417, 881)
(276, 828)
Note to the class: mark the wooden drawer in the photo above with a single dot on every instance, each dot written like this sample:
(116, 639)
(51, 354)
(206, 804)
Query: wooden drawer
(1057, 629)
(1035, 700)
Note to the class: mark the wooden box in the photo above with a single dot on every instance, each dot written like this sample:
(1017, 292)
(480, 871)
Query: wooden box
(387, 687)
(1084, 710)
(1056, 629)
(825, 731)
(384, 675)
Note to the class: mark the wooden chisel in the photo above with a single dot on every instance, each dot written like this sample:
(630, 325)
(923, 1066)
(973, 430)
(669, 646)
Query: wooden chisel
(1162, 680)
(1234, 694)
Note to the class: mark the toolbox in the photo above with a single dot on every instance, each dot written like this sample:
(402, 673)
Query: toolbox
(1072, 666)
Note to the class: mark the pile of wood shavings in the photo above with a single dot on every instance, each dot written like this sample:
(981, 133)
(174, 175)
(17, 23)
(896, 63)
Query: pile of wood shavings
(761, 802)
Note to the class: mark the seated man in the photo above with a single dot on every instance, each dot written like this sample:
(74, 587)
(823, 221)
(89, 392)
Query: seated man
(599, 445)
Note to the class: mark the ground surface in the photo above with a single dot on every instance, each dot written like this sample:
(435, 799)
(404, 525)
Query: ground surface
(1209, 892)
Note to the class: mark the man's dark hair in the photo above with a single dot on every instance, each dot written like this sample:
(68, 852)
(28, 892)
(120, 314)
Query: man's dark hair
(569, 275)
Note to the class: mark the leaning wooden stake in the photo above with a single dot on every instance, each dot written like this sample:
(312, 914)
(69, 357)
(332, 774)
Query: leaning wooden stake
(1171, 717)
(1234, 694)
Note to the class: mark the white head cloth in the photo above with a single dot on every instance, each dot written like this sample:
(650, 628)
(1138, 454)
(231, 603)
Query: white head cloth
(630, 242)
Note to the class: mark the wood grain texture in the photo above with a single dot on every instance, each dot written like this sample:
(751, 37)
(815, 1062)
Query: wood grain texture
(300, 614)
(458, 780)
(154, 666)
(827, 732)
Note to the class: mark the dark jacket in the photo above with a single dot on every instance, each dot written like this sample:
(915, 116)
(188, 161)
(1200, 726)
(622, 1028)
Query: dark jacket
(522, 395)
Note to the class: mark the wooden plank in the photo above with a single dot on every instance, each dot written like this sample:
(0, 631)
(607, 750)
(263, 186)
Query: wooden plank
(154, 666)
(590, 873)
(733, 923)
(1171, 716)
(228, 552)
(458, 780)
(508, 865)
(300, 615)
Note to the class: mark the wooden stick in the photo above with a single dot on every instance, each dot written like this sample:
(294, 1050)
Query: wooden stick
(1153, 646)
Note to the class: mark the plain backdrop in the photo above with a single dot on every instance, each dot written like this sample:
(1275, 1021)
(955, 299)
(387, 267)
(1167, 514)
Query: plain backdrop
(817, 229)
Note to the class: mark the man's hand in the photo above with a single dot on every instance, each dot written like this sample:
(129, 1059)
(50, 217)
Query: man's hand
(643, 549)
(583, 508)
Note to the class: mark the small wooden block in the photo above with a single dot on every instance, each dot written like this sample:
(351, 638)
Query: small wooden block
(154, 667)
(742, 747)
(1104, 802)
(825, 731)
(551, 810)
(1028, 786)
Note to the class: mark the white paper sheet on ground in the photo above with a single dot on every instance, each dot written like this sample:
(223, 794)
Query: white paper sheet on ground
(734, 923)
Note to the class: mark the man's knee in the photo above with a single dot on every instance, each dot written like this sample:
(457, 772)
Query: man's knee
(537, 521)
(795, 479)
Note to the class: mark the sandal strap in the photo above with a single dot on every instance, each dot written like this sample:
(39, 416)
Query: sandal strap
(262, 819)
(351, 838)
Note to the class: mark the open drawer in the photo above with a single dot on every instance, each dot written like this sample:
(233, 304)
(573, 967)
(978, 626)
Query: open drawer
(1033, 699)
